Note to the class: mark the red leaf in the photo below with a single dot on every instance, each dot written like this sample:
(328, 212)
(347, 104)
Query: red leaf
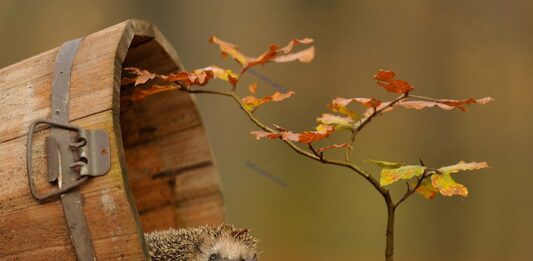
(387, 81)
(383, 75)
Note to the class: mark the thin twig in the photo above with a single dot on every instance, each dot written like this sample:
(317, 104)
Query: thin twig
(365, 121)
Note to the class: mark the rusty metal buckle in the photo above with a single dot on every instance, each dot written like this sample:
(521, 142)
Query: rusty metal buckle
(90, 157)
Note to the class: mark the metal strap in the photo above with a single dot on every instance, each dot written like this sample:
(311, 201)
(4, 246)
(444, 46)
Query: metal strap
(65, 175)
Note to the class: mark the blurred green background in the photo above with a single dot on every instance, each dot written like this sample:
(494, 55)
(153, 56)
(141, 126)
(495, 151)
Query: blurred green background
(447, 49)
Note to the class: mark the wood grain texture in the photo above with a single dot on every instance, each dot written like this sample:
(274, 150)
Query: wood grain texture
(162, 165)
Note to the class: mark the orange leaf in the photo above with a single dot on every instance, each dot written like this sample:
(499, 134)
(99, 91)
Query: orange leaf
(304, 56)
(383, 75)
(307, 136)
(368, 102)
(219, 73)
(426, 189)
(142, 76)
(253, 88)
(274, 53)
(251, 102)
(444, 104)
(139, 94)
(460, 104)
(230, 49)
(264, 134)
(387, 81)
(304, 137)
(198, 77)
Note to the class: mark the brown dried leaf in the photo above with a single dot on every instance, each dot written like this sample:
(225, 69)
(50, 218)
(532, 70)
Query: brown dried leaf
(140, 94)
(142, 76)
(274, 53)
(251, 102)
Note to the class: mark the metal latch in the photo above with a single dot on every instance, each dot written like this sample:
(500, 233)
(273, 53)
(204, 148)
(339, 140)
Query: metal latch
(89, 156)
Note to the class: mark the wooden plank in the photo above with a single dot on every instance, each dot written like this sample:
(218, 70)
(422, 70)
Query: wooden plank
(158, 115)
(168, 154)
(152, 193)
(197, 183)
(27, 226)
(200, 211)
(159, 219)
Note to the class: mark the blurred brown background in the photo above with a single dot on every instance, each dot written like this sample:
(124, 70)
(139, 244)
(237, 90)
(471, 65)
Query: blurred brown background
(447, 49)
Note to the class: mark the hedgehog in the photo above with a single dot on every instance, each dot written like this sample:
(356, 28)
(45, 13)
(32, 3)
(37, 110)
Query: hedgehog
(207, 243)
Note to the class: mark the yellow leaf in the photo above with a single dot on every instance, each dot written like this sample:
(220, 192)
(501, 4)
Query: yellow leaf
(426, 189)
(447, 186)
(339, 122)
(389, 176)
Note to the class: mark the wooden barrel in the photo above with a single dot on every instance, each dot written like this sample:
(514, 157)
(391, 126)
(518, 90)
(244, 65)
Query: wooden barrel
(162, 170)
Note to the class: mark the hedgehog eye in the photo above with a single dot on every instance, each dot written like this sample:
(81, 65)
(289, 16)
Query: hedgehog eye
(212, 257)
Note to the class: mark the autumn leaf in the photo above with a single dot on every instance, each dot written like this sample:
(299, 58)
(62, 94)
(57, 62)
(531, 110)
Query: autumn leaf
(304, 137)
(334, 146)
(304, 56)
(140, 94)
(391, 175)
(426, 189)
(251, 102)
(368, 102)
(229, 49)
(198, 77)
(339, 105)
(444, 104)
(460, 104)
(219, 73)
(264, 134)
(386, 79)
(339, 122)
(274, 53)
(461, 166)
(385, 164)
(142, 76)
(447, 186)
(307, 136)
